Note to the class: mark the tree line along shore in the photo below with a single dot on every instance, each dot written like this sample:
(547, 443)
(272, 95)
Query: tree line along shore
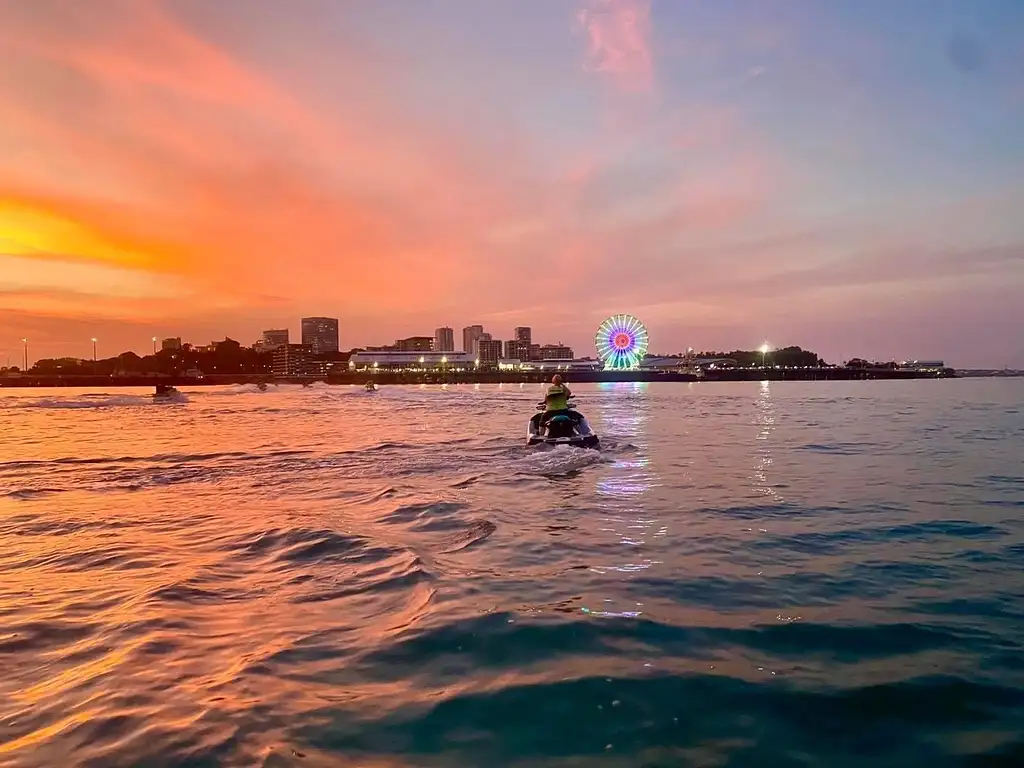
(228, 362)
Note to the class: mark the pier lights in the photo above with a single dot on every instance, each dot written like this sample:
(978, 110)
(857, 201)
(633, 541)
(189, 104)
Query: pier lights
(477, 362)
(765, 349)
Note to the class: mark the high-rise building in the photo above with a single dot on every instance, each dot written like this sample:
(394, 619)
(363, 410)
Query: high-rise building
(533, 352)
(293, 360)
(489, 351)
(444, 340)
(320, 334)
(273, 339)
(415, 344)
(523, 334)
(555, 352)
(172, 343)
(471, 335)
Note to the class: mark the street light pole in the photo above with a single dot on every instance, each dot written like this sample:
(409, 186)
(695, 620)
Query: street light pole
(25, 342)
(94, 352)
(154, 345)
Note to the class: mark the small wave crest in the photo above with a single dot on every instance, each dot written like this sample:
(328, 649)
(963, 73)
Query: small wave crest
(82, 402)
(28, 494)
(560, 460)
(94, 401)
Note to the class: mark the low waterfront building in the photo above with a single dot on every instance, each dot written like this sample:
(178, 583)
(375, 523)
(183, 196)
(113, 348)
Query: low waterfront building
(922, 365)
(416, 344)
(554, 352)
(521, 349)
(585, 364)
(413, 362)
(391, 360)
(330, 363)
(687, 362)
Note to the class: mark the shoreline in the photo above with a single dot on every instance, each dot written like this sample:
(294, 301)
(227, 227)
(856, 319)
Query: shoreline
(477, 377)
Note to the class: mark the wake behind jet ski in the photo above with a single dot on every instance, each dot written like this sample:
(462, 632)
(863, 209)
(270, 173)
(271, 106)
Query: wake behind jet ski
(558, 422)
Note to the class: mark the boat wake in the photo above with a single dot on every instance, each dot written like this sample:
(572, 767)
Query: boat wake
(558, 460)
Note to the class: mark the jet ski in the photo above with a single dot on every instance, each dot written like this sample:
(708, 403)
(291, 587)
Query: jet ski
(262, 386)
(165, 390)
(370, 387)
(564, 428)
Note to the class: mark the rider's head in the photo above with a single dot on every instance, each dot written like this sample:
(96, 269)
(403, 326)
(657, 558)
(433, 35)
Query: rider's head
(557, 379)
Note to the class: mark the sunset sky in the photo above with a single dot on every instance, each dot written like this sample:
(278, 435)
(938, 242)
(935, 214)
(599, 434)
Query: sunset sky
(843, 175)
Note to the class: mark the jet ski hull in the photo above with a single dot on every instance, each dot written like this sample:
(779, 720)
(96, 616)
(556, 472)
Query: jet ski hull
(584, 441)
(570, 429)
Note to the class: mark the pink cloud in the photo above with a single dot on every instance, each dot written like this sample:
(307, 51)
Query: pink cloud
(619, 41)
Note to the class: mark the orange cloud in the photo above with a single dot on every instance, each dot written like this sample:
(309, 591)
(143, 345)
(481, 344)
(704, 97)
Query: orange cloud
(237, 190)
(229, 179)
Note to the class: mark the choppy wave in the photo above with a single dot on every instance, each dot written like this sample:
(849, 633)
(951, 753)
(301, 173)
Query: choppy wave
(90, 401)
(742, 575)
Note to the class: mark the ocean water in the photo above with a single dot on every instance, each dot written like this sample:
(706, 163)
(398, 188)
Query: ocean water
(751, 574)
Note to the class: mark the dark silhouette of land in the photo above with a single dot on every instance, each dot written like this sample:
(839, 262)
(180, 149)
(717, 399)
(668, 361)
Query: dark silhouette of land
(228, 362)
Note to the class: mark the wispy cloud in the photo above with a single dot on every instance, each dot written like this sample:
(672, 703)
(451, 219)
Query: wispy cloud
(619, 41)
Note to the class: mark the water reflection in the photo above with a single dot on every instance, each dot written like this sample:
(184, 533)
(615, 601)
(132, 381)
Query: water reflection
(620, 492)
(379, 581)
(764, 421)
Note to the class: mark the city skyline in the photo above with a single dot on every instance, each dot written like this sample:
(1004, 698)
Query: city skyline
(518, 344)
(845, 175)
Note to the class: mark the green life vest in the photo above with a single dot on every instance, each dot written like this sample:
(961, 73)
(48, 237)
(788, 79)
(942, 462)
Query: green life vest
(556, 398)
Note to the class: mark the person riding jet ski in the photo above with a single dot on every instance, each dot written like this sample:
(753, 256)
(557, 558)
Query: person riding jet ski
(559, 423)
(556, 400)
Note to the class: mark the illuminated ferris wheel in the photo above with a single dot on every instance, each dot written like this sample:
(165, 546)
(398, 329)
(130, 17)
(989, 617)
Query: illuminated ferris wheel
(621, 342)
